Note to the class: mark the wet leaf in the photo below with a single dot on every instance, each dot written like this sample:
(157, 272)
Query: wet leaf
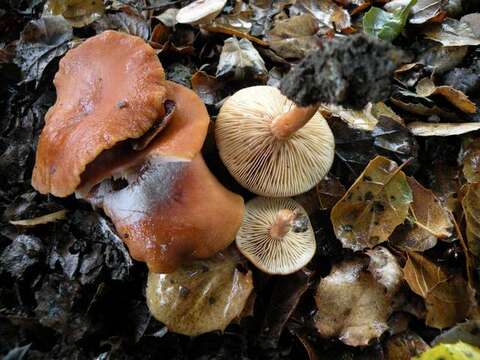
(426, 88)
(428, 221)
(203, 296)
(471, 161)
(423, 11)
(40, 42)
(241, 60)
(419, 128)
(471, 208)
(78, 12)
(458, 351)
(292, 38)
(208, 87)
(127, 21)
(385, 25)
(19, 353)
(373, 207)
(356, 119)
(24, 252)
(361, 316)
(467, 332)
(329, 191)
(422, 275)
(404, 346)
(327, 12)
(452, 32)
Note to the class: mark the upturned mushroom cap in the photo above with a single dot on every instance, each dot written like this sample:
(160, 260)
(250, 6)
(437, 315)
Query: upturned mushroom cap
(109, 89)
(200, 11)
(272, 239)
(260, 160)
(172, 210)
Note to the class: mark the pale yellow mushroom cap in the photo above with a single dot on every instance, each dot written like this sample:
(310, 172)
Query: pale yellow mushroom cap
(270, 254)
(258, 160)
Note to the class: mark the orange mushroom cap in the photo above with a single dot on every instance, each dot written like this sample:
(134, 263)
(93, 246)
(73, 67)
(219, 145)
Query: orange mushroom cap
(109, 89)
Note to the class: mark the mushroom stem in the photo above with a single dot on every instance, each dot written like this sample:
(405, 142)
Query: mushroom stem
(286, 124)
(282, 224)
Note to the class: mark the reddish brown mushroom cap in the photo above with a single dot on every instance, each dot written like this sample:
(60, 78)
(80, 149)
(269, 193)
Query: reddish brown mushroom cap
(109, 89)
(174, 211)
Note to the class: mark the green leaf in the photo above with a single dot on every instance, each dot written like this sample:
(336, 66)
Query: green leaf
(385, 25)
(458, 351)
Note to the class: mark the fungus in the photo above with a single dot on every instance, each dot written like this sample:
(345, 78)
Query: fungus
(85, 120)
(271, 146)
(126, 140)
(200, 297)
(276, 235)
(200, 12)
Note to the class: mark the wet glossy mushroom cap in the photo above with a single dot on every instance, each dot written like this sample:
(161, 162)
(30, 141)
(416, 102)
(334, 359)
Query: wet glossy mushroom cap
(172, 210)
(271, 157)
(276, 235)
(200, 11)
(109, 89)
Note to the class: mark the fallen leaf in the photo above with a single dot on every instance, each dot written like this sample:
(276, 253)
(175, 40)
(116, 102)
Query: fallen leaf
(458, 351)
(78, 12)
(327, 12)
(422, 11)
(329, 191)
(443, 58)
(240, 59)
(356, 119)
(426, 88)
(419, 128)
(40, 220)
(467, 332)
(40, 42)
(452, 32)
(207, 87)
(127, 21)
(292, 38)
(351, 304)
(373, 206)
(385, 268)
(385, 25)
(404, 346)
(23, 252)
(422, 275)
(471, 208)
(204, 296)
(168, 17)
(471, 161)
(380, 109)
(428, 221)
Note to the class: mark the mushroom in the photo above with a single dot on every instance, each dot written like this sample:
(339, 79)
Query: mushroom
(126, 140)
(109, 89)
(276, 235)
(200, 12)
(271, 146)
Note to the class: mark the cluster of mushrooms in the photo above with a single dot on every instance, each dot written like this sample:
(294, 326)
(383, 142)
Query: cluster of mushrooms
(127, 141)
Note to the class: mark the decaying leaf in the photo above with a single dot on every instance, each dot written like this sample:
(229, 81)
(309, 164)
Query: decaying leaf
(467, 332)
(356, 119)
(426, 87)
(420, 105)
(385, 268)
(40, 42)
(40, 220)
(471, 161)
(203, 296)
(428, 221)
(404, 346)
(373, 207)
(78, 12)
(127, 20)
(294, 37)
(419, 128)
(458, 351)
(422, 11)
(448, 299)
(385, 25)
(327, 12)
(329, 191)
(351, 304)
(240, 59)
(24, 252)
(471, 208)
(207, 87)
(452, 32)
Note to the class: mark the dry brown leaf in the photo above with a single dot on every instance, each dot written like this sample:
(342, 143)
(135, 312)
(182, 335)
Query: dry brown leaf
(426, 88)
(351, 304)
(419, 128)
(329, 191)
(429, 221)
(326, 12)
(452, 32)
(294, 37)
(404, 346)
(203, 296)
(373, 207)
(422, 275)
(41, 220)
(419, 105)
(380, 109)
(471, 208)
